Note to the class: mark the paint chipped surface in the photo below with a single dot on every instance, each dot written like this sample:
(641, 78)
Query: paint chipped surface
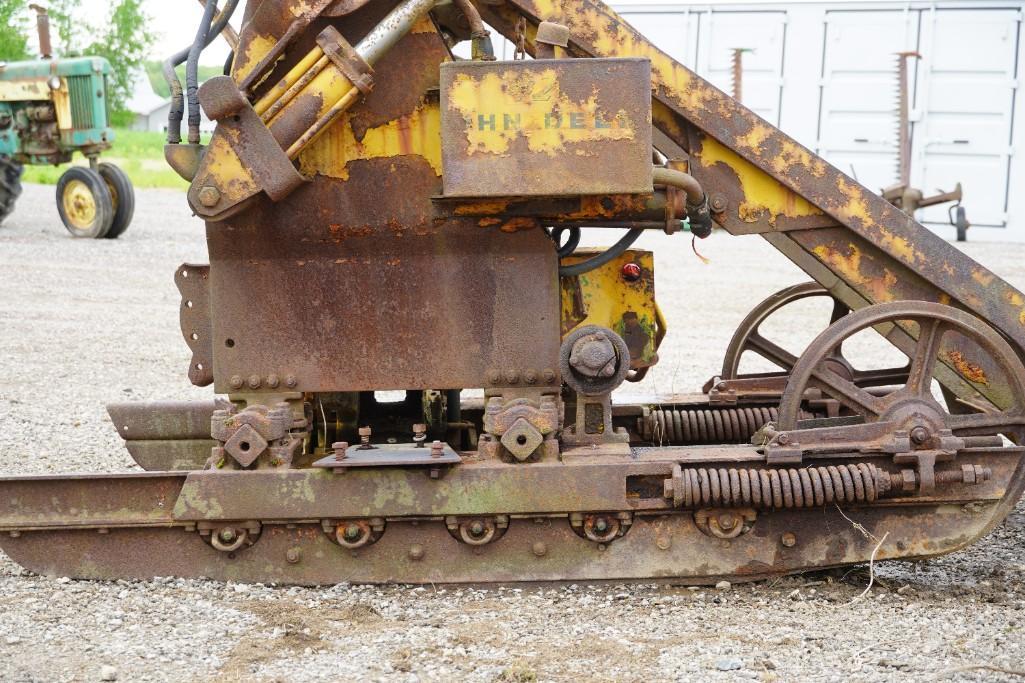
(500, 107)
(969, 370)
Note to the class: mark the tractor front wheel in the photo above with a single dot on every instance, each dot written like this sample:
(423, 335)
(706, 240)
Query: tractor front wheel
(10, 185)
(84, 202)
(123, 196)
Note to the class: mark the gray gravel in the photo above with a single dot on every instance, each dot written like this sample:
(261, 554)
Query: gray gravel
(87, 322)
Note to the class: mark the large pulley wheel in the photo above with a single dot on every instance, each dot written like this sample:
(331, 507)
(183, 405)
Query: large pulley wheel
(84, 202)
(913, 403)
(594, 360)
(748, 338)
(122, 195)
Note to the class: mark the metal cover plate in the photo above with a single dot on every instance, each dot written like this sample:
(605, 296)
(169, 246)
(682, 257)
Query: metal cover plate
(546, 127)
(391, 455)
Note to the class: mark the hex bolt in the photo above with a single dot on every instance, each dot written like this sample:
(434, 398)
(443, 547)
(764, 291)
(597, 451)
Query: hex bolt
(783, 439)
(437, 449)
(293, 555)
(530, 377)
(548, 375)
(494, 377)
(341, 449)
(254, 381)
(209, 196)
(419, 434)
(477, 528)
(539, 548)
(601, 525)
(364, 437)
(512, 376)
(727, 521)
(416, 552)
(919, 435)
(235, 381)
(291, 382)
(273, 381)
(227, 535)
(788, 539)
(717, 203)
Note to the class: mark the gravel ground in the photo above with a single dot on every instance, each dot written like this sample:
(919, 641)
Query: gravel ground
(87, 322)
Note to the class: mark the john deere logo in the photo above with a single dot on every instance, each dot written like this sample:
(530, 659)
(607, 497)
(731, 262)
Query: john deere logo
(551, 121)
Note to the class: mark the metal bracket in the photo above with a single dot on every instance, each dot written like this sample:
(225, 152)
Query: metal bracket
(193, 283)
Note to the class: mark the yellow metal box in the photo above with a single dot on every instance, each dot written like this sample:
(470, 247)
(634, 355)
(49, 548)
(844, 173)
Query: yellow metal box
(546, 127)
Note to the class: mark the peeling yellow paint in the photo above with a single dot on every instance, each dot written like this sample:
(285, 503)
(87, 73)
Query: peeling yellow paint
(255, 50)
(762, 193)
(500, 108)
(417, 134)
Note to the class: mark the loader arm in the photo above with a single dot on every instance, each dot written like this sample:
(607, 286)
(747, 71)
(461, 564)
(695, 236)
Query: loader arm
(845, 236)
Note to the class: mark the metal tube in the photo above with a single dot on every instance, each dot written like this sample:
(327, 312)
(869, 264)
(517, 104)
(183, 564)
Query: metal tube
(684, 181)
(392, 28)
(43, 27)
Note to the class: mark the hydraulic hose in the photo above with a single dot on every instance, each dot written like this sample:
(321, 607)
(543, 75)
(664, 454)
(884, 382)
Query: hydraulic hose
(177, 112)
(192, 70)
(698, 213)
(624, 243)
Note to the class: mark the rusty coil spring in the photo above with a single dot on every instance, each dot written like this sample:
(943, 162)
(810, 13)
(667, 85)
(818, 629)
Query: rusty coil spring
(779, 488)
(687, 426)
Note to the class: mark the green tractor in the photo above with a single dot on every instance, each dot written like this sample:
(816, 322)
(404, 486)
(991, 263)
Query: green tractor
(50, 109)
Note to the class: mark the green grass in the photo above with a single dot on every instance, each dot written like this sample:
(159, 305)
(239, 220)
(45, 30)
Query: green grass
(139, 153)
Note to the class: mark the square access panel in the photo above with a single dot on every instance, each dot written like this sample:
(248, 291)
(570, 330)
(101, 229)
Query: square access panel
(546, 127)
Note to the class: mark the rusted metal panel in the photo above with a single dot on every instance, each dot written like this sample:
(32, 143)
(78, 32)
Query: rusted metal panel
(391, 298)
(546, 127)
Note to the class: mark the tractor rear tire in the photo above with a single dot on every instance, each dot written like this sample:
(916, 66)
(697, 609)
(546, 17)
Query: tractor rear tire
(84, 202)
(123, 196)
(10, 186)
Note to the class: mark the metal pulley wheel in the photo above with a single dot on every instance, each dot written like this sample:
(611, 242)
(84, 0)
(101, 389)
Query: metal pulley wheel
(913, 404)
(594, 360)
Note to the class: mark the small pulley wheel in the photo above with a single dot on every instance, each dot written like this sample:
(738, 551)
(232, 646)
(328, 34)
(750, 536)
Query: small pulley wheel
(229, 539)
(601, 528)
(477, 531)
(594, 360)
(354, 533)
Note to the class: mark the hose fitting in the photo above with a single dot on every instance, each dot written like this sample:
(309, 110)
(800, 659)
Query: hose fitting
(698, 213)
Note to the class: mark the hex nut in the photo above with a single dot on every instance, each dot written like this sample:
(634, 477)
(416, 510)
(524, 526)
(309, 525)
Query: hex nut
(788, 539)
(209, 196)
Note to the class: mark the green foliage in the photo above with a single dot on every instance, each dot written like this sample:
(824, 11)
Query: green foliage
(14, 31)
(156, 75)
(125, 45)
(139, 153)
(123, 39)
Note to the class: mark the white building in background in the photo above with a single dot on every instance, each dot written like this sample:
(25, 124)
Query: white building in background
(151, 109)
(824, 72)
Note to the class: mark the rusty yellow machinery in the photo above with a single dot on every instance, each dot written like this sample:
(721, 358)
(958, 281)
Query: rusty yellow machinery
(383, 216)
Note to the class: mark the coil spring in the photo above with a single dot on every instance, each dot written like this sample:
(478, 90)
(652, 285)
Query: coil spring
(691, 426)
(779, 488)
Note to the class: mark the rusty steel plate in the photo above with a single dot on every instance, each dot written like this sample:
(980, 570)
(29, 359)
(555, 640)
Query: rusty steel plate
(391, 455)
(546, 127)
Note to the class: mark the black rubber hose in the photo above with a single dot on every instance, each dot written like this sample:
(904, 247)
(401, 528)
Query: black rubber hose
(565, 250)
(177, 112)
(192, 70)
(616, 250)
(228, 63)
